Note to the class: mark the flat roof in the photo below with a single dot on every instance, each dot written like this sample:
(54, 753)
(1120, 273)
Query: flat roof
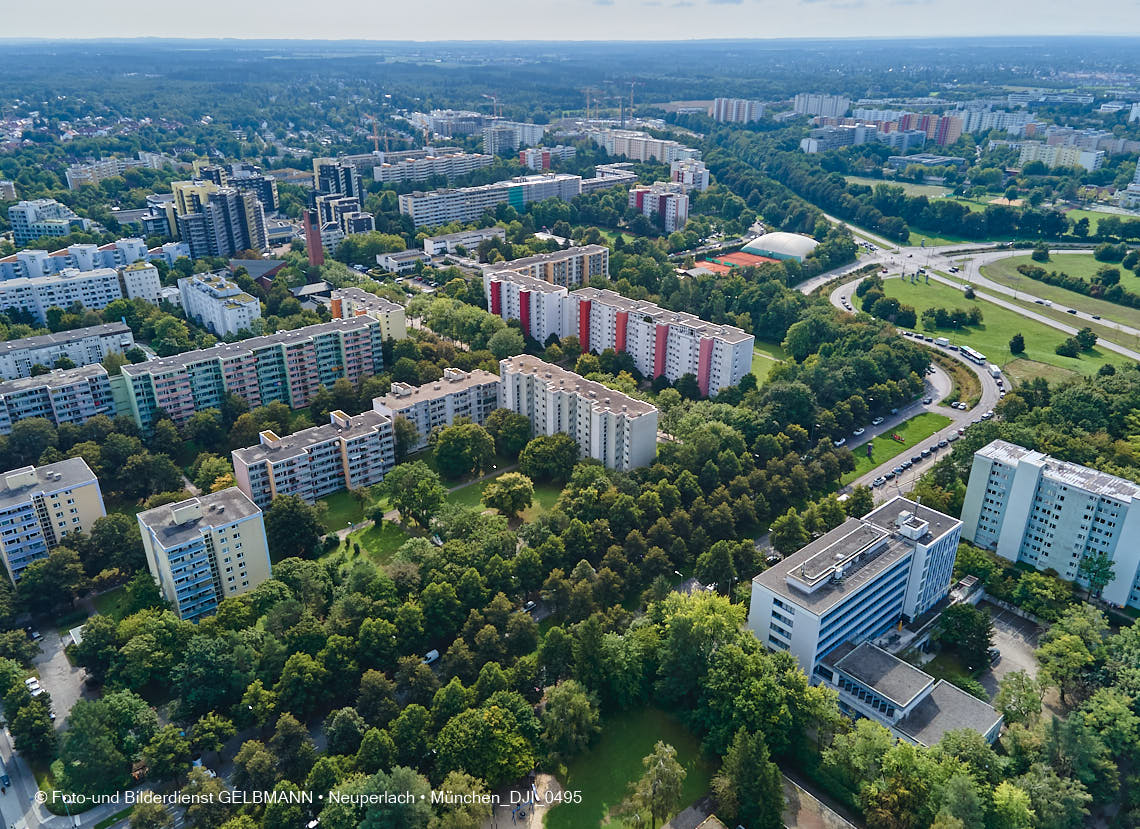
(553, 256)
(463, 234)
(70, 472)
(602, 397)
(291, 446)
(437, 388)
(224, 350)
(531, 283)
(947, 708)
(729, 333)
(367, 298)
(218, 509)
(889, 676)
(1063, 472)
(53, 379)
(107, 329)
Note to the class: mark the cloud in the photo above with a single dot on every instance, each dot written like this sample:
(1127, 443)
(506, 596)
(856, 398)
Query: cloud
(603, 2)
(684, 4)
(725, 2)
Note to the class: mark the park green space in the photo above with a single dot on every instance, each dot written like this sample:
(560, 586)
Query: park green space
(998, 326)
(545, 494)
(884, 448)
(1094, 217)
(603, 773)
(765, 357)
(909, 187)
(1084, 265)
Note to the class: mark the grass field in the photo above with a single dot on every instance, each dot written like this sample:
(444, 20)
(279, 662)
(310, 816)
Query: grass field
(964, 384)
(998, 325)
(1019, 370)
(343, 507)
(765, 357)
(380, 543)
(472, 496)
(883, 448)
(909, 187)
(604, 773)
(1094, 217)
(112, 603)
(1069, 299)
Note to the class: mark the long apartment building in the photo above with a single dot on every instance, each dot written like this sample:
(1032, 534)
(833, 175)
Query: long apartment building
(218, 303)
(72, 395)
(345, 453)
(1059, 155)
(1049, 514)
(468, 240)
(826, 604)
(83, 346)
(661, 342)
(467, 204)
(667, 199)
(205, 549)
(539, 158)
(357, 302)
(609, 426)
(444, 164)
(607, 176)
(570, 268)
(288, 366)
(470, 394)
(641, 146)
(31, 263)
(37, 218)
(40, 506)
(92, 289)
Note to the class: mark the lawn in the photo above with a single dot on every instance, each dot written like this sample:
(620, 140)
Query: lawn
(343, 507)
(112, 603)
(765, 357)
(909, 187)
(1083, 265)
(1094, 217)
(380, 543)
(883, 448)
(603, 773)
(998, 325)
(472, 496)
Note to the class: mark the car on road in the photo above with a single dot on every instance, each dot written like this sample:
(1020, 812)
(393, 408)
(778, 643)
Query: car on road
(1039, 301)
(890, 476)
(879, 481)
(876, 421)
(431, 656)
(942, 444)
(840, 442)
(925, 453)
(1096, 316)
(927, 400)
(859, 431)
(529, 607)
(953, 269)
(1070, 310)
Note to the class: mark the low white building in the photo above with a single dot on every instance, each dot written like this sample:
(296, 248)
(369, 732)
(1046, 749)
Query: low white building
(467, 239)
(218, 304)
(609, 426)
(470, 394)
(401, 261)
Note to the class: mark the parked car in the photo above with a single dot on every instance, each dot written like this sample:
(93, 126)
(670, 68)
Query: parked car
(915, 459)
(890, 476)
(925, 453)
(431, 656)
(859, 431)
(942, 444)
(840, 442)
(994, 656)
(876, 421)
(529, 607)
(987, 415)
(879, 481)
(927, 400)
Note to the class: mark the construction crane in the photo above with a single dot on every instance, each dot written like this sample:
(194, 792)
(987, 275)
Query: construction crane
(588, 91)
(496, 109)
(376, 134)
(632, 84)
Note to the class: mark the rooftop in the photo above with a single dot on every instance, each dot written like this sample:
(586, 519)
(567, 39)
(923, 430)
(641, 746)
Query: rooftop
(176, 524)
(728, 333)
(554, 256)
(273, 448)
(1064, 472)
(889, 676)
(223, 351)
(497, 185)
(18, 484)
(373, 302)
(947, 708)
(53, 379)
(404, 396)
(602, 397)
(486, 232)
(107, 329)
(531, 283)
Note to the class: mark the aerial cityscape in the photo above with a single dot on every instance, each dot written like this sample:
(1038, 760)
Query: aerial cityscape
(638, 429)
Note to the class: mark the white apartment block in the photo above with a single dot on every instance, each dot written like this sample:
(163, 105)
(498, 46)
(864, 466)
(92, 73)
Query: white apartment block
(1051, 514)
(91, 289)
(32, 263)
(1060, 156)
(467, 239)
(570, 268)
(539, 158)
(641, 146)
(401, 261)
(471, 394)
(205, 549)
(500, 137)
(661, 342)
(665, 198)
(736, 111)
(356, 302)
(345, 453)
(444, 164)
(43, 217)
(690, 173)
(468, 204)
(83, 346)
(609, 175)
(93, 172)
(221, 306)
(40, 506)
(829, 106)
(73, 395)
(141, 281)
(618, 430)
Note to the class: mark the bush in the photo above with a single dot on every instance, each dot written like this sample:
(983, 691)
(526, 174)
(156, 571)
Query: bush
(1069, 348)
(1107, 252)
(1040, 253)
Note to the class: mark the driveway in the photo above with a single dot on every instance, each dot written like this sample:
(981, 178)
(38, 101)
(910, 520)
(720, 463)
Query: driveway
(1016, 638)
(61, 679)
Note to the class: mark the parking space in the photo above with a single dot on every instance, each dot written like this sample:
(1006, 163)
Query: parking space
(1016, 638)
(63, 681)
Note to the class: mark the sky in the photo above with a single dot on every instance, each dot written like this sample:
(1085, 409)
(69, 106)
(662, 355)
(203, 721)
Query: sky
(433, 20)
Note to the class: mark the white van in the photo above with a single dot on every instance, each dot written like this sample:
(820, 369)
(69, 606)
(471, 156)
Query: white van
(431, 656)
(942, 341)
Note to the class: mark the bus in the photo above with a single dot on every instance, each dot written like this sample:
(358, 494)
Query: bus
(973, 356)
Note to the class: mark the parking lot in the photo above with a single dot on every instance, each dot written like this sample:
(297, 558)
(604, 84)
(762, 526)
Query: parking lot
(61, 679)
(1016, 638)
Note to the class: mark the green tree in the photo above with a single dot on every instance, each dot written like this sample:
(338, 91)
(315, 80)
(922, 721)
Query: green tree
(749, 788)
(968, 630)
(788, 532)
(658, 791)
(1086, 339)
(293, 528)
(33, 731)
(860, 502)
(1019, 697)
(415, 490)
(1011, 808)
(150, 814)
(51, 582)
(549, 458)
(570, 720)
(1017, 344)
(344, 729)
(407, 437)
(506, 342)
(510, 431)
(510, 493)
(472, 814)
(485, 743)
(1098, 571)
(463, 448)
(167, 755)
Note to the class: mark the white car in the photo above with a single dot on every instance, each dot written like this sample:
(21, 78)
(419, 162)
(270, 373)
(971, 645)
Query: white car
(859, 431)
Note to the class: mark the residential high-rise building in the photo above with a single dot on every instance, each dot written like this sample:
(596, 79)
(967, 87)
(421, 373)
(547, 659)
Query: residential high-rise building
(42, 217)
(41, 506)
(205, 549)
(1061, 156)
(736, 111)
(468, 204)
(217, 303)
(288, 366)
(82, 346)
(262, 186)
(446, 163)
(661, 342)
(82, 257)
(502, 137)
(1033, 509)
(471, 394)
(641, 146)
(614, 428)
(828, 105)
(666, 199)
(72, 395)
(141, 281)
(539, 158)
(345, 453)
(690, 173)
(92, 289)
(227, 222)
(355, 302)
(571, 267)
(339, 178)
